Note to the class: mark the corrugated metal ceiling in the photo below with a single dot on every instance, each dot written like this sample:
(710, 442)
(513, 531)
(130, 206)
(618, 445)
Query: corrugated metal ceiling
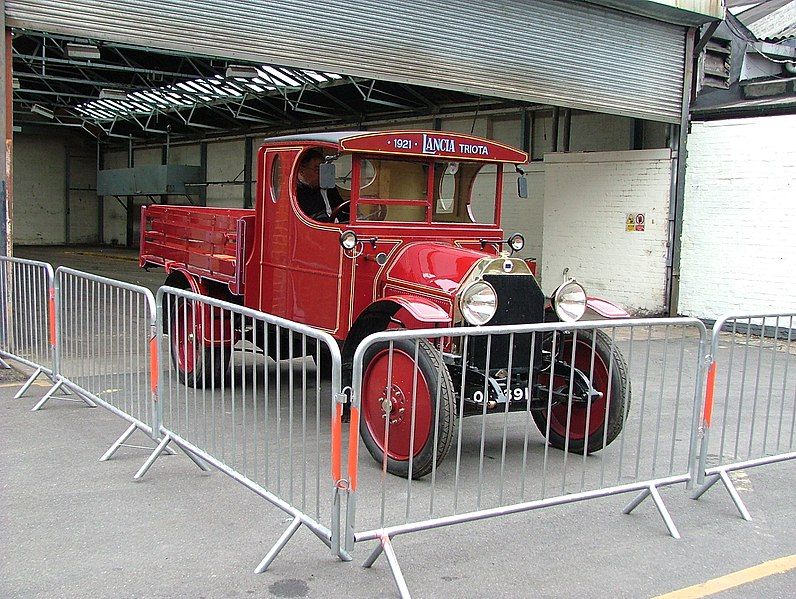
(572, 54)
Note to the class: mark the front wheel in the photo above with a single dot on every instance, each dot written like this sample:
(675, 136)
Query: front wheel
(595, 427)
(408, 406)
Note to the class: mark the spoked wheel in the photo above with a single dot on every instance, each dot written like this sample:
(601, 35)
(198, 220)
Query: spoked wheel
(411, 414)
(587, 426)
(197, 363)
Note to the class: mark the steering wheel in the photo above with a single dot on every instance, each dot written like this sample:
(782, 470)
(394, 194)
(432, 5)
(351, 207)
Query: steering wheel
(339, 209)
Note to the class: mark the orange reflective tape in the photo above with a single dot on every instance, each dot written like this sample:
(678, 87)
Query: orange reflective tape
(153, 363)
(709, 395)
(51, 309)
(353, 448)
(337, 434)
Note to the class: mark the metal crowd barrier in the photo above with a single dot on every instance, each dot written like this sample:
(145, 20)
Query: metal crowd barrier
(749, 418)
(247, 393)
(27, 322)
(105, 340)
(498, 462)
(238, 389)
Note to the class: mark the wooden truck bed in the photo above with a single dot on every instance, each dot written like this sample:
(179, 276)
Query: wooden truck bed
(211, 243)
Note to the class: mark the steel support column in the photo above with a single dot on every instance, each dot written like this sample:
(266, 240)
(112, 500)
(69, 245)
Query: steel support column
(100, 199)
(203, 171)
(678, 179)
(556, 122)
(567, 129)
(6, 133)
(248, 154)
(130, 199)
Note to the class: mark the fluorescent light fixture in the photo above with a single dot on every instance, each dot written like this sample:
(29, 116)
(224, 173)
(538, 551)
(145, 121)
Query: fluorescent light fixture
(112, 94)
(16, 129)
(41, 110)
(86, 51)
(242, 71)
(15, 83)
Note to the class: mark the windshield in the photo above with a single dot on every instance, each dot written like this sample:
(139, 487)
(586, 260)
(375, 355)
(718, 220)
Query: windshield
(404, 190)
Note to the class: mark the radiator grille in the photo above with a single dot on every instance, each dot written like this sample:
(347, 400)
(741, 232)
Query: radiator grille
(520, 301)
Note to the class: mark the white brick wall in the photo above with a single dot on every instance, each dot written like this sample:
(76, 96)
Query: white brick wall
(739, 222)
(587, 199)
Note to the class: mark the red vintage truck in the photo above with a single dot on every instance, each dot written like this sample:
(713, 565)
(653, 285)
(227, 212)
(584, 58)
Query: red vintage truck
(408, 235)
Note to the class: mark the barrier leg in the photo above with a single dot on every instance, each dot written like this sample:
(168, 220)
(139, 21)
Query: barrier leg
(667, 519)
(336, 541)
(736, 498)
(194, 458)
(709, 482)
(636, 502)
(31, 379)
(51, 393)
(652, 491)
(385, 546)
(374, 556)
(118, 443)
(4, 364)
(47, 396)
(350, 514)
(724, 477)
(280, 544)
(163, 448)
(81, 395)
(151, 459)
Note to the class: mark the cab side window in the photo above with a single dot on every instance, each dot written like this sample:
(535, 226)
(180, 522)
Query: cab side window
(276, 177)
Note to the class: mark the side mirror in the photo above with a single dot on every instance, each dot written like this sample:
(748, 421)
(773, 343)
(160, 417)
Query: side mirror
(326, 175)
(522, 186)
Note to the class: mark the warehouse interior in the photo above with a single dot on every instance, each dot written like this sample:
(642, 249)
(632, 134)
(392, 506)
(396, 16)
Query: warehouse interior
(87, 104)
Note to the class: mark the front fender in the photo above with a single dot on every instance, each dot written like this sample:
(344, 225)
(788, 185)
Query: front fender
(410, 311)
(597, 308)
(423, 310)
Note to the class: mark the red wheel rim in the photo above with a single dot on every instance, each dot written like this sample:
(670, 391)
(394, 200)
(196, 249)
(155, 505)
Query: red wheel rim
(378, 400)
(579, 410)
(183, 338)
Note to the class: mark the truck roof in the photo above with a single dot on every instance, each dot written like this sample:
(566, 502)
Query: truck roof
(324, 137)
(440, 144)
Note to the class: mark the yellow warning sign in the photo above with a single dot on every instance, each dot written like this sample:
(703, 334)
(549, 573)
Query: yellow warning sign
(635, 222)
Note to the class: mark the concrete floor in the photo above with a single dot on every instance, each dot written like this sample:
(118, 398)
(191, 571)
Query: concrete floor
(75, 527)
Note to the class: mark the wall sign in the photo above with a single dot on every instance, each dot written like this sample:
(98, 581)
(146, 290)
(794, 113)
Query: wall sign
(635, 222)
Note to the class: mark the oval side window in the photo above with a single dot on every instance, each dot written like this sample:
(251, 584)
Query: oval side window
(276, 177)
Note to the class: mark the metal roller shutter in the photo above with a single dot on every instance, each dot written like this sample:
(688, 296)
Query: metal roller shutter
(571, 54)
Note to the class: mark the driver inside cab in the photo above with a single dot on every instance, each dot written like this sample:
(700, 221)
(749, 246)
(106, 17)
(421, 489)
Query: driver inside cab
(319, 204)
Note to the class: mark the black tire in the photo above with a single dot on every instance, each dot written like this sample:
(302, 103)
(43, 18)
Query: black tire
(432, 376)
(594, 434)
(197, 365)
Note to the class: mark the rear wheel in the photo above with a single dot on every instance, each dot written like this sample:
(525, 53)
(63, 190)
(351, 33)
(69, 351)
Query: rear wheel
(409, 415)
(198, 364)
(594, 427)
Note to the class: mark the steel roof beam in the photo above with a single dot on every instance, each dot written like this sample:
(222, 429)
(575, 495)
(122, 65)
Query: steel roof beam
(103, 66)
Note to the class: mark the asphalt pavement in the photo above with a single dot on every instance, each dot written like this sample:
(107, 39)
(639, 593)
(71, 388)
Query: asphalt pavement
(76, 527)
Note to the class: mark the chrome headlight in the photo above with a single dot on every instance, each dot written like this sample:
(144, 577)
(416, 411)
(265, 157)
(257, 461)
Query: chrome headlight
(478, 303)
(516, 242)
(569, 301)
